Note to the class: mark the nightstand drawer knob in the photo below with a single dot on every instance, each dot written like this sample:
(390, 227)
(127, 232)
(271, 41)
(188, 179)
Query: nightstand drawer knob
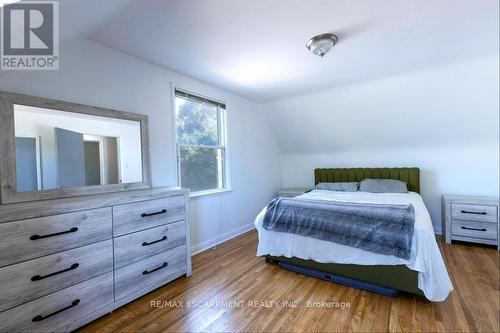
(476, 229)
(477, 213)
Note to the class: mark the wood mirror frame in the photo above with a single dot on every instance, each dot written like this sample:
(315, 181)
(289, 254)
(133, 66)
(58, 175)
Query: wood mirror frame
(8, 183)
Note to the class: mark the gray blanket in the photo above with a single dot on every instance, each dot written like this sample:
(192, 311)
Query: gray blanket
(379, 228)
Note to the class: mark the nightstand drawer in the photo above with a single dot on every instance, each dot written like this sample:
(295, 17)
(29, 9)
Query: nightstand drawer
(474, 229)
(466, 212)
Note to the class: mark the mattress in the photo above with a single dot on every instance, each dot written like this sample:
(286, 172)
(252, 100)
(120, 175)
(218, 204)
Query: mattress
(425, 257)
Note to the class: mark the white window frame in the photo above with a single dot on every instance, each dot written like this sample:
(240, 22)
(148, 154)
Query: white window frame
(223, 143)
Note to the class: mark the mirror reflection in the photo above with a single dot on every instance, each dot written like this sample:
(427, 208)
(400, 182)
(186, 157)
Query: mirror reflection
(58, 149)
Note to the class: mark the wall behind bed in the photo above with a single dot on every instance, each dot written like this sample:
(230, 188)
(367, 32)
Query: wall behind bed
(443, 119)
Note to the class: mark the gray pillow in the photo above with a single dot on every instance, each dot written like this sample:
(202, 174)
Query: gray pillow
(345, 187)
(383, 186)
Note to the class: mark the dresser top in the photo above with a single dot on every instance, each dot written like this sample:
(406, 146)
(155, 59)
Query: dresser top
(26, 210)
(472, 199)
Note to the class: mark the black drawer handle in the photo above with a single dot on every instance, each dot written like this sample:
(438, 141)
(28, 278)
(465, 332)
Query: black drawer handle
(156, 241)
(477, 213)
(41, 277)
(165, 264)
(40, 317)
(475, 229)
(163, 211)
(35, 237)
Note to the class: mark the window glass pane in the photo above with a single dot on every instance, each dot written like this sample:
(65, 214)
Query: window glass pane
(201, 168)
(196, 123)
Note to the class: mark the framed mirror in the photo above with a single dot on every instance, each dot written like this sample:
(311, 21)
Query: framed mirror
(52, 149)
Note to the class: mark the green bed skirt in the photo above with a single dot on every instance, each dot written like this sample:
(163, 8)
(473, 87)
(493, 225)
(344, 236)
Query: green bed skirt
(398, 277)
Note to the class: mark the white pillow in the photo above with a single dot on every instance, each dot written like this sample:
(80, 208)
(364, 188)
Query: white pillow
(383, 186)
(341, 186)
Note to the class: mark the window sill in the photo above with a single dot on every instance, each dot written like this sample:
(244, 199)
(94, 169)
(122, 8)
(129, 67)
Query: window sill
(209, 193)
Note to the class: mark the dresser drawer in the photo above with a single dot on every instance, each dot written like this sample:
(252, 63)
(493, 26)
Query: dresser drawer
(33, 238)
(28, 280)
(60, 308)
(154, 271)
(144, 244)
(474, 229)
(469, 212)
(147, 214)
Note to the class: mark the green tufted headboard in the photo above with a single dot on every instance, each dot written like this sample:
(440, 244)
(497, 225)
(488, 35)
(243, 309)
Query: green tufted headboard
(333, 175)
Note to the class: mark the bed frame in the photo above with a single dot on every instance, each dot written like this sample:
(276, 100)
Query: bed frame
(398, 277)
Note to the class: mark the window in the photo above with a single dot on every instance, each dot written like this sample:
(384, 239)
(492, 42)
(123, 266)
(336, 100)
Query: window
(201, 142)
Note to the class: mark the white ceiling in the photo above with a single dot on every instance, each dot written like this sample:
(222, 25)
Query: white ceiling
(80, 19)
(256, 48)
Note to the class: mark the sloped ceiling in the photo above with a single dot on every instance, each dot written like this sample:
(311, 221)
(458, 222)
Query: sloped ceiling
(256, 48)
(450, 105)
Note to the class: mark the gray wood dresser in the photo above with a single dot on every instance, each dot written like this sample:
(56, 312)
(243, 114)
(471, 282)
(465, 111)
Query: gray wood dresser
(471, 219)
(66, 262)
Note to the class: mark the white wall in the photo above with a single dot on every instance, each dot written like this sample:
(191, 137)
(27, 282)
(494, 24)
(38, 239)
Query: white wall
(444, 120)
(93, 74)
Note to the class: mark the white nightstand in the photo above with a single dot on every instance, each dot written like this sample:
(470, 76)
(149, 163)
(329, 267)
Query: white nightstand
(471, 219)
(292, 192)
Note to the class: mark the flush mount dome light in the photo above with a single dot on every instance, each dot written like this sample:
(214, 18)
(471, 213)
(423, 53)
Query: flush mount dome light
(321, 44)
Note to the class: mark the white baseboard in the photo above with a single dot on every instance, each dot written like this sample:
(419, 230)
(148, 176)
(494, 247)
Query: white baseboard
(195, 249)
(438, 230)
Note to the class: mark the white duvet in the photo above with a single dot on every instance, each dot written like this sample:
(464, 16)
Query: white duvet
(425, 257)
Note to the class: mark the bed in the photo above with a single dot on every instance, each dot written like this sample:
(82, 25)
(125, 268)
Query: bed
(424, 273)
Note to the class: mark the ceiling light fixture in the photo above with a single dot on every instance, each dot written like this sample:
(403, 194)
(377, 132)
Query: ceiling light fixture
(321, 44)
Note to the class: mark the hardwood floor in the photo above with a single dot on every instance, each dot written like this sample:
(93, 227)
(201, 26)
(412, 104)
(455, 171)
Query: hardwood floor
(232, 272)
